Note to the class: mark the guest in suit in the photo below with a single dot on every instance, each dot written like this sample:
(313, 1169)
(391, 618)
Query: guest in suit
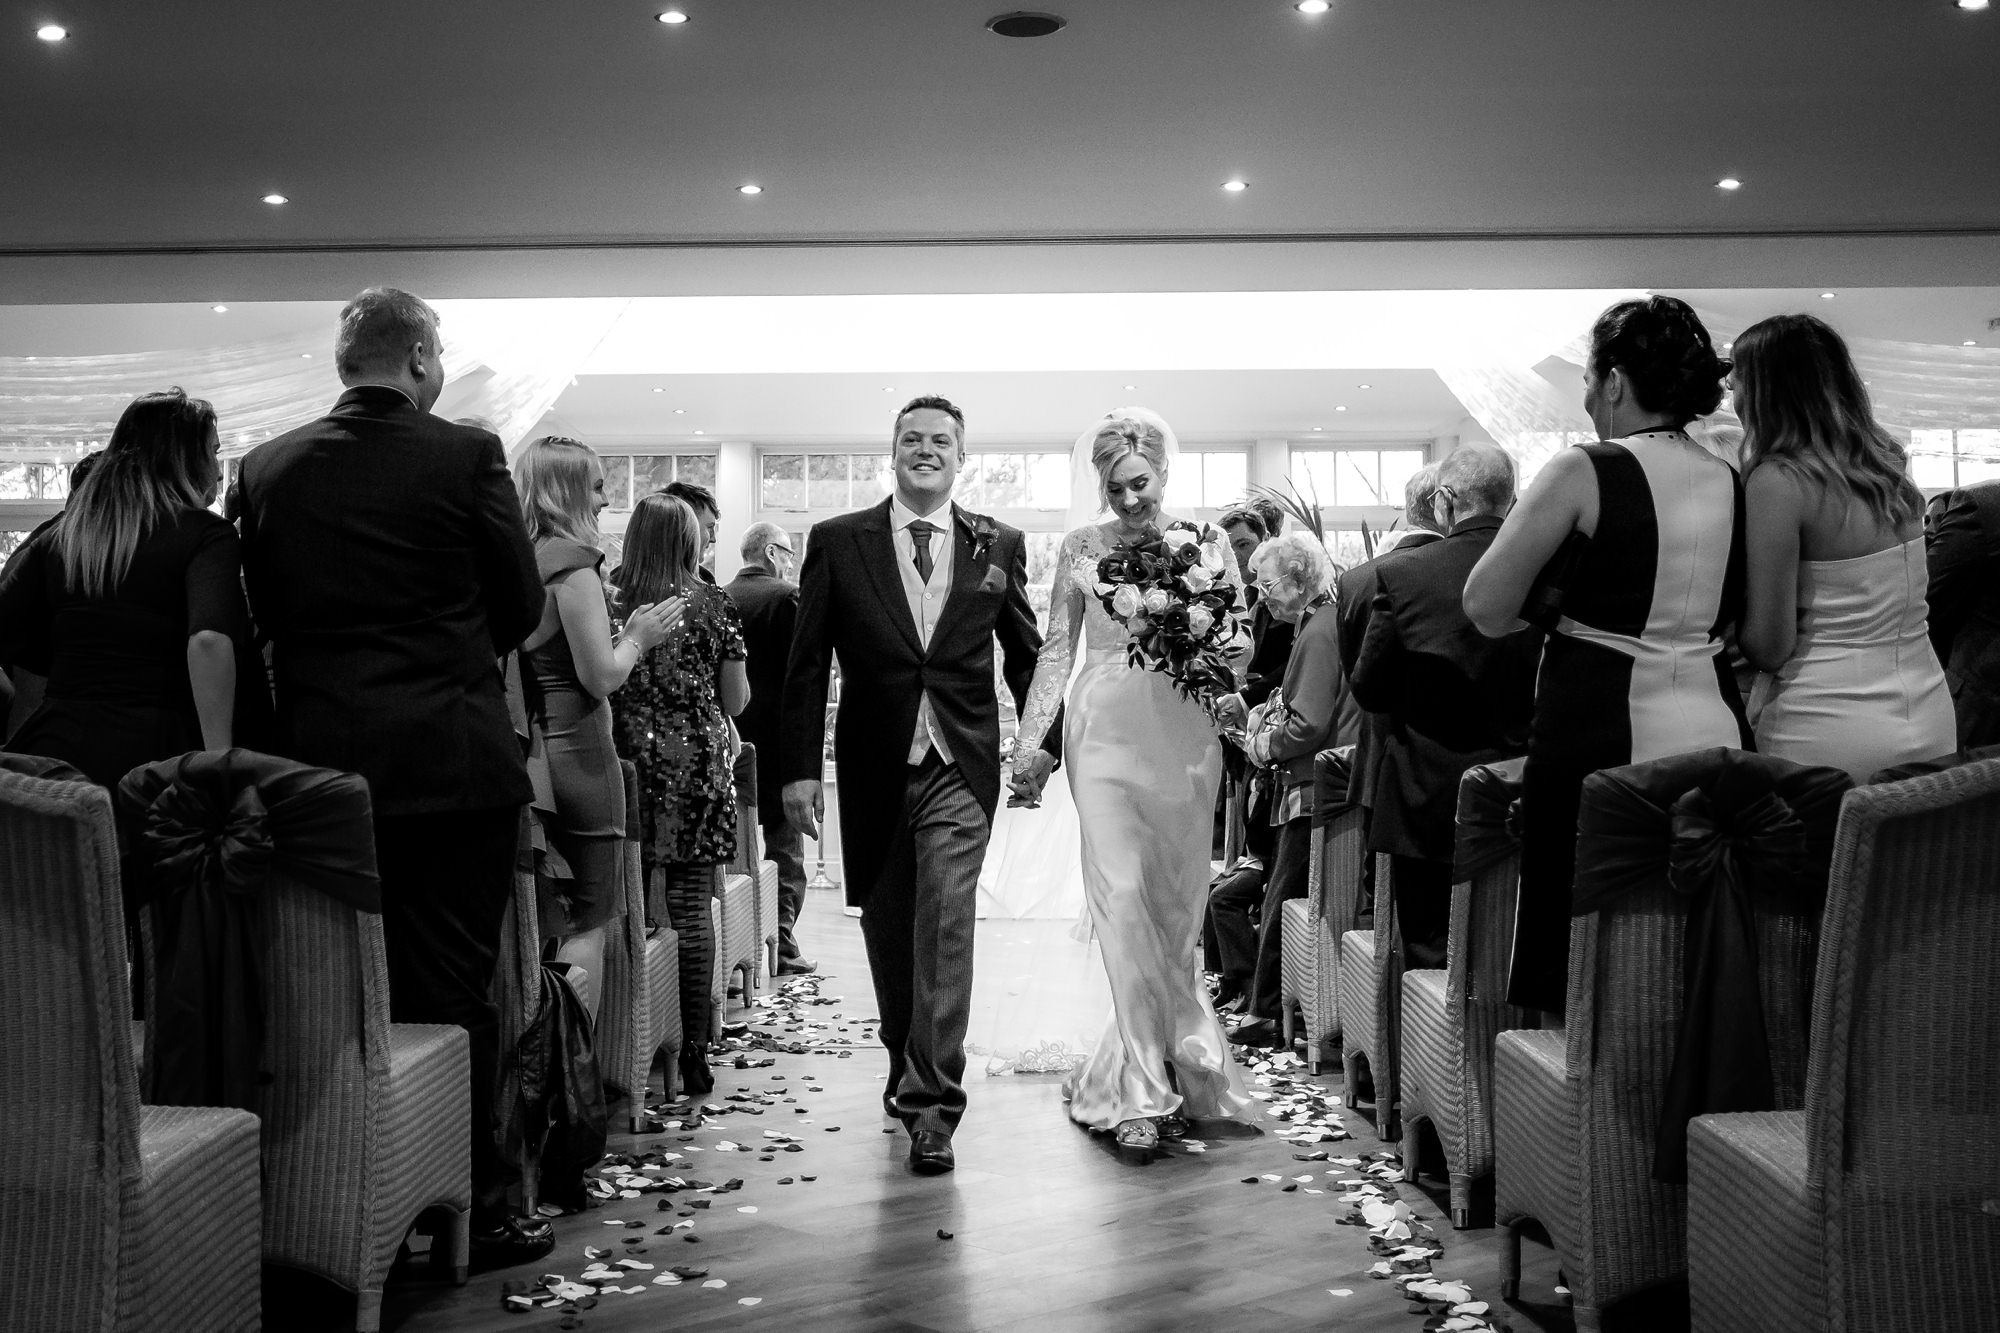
(130, 605)
(769, 603)
(1354, 603)
(1449, 697)
(911, 595)
(672, 721)
(702, 500)
(574, 663)
(1313, 710)
(387, 561)
(1962, 543)
(21, 688)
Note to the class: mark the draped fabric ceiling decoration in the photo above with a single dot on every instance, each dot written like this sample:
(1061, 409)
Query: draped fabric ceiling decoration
(509, 361)
(506, 362)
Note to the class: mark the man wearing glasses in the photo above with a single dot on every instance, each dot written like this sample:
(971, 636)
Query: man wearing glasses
(768, 601)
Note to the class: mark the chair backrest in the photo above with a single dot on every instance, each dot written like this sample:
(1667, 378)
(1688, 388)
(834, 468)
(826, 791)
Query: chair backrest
(69, 1101)
(1622, 1030)
(1483, 902)
(1903, 1105)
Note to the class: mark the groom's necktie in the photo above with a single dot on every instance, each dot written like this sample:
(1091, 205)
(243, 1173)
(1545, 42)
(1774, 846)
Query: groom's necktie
(920, 533)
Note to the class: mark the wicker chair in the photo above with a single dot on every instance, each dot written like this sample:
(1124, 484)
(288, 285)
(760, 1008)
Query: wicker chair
(1576, 1112)
(641, 1011)
(113, 1215)
(1312, 926)
(1878, 1205)
(1451, 1015)
(1371, 1000)
(764, 877)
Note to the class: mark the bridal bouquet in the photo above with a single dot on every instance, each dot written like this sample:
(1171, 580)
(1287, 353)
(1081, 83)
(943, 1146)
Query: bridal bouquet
(1167, 589)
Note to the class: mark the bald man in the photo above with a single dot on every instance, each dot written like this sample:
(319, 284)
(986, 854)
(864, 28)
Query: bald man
(1449, 697)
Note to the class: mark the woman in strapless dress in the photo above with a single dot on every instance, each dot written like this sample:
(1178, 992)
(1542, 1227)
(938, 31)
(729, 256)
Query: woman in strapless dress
(1836, 613)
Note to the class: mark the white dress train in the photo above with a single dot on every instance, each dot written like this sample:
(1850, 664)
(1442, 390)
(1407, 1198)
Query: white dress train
(1144, 766)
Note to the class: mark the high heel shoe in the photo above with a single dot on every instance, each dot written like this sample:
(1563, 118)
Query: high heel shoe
(1137, 1140)
(1173, 1126)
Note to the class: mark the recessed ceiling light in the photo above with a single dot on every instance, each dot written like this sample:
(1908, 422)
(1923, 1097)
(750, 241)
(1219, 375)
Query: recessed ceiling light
(1236, 186)
(1970, 342)
(701, 432)
(1130, 387)
(659, 391)
(275, 199)
(52, 32)
(1321, 427)
(671, 16)
(305, 356)
(749, 188)
(1826, 296)
(888, 388)
(220, 309)
(1341, 408)
(1026, 23)
(1364, 386)
(680, 411)
(1729, 183)
(1973, 4)
(1312, 6)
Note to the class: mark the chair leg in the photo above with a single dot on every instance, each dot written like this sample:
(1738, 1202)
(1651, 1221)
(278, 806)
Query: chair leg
(1510, 1259)
(1350, 1073)
(1287, 1026)
(368, 1311)
(1461, 1200)
(1409, 1151)
(461, 1245)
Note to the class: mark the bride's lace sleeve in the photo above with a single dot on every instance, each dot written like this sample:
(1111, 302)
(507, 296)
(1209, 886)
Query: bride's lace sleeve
(1052, 668)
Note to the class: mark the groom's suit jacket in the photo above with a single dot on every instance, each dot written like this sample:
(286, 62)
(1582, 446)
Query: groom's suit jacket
(851, 606)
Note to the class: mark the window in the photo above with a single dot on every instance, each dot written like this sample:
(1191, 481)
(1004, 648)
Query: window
(823, 482)
(629, 477)
(1208, 481)
(1943, 459)
(1355, 477)
(34, 481)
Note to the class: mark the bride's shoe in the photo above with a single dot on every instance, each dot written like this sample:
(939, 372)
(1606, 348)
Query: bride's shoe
(1171, 1126)
(1137, 1139)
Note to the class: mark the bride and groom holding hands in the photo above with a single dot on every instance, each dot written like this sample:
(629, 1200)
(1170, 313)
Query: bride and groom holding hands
(911, 595)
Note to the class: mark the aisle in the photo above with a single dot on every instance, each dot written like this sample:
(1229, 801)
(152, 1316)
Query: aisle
(1046, 1230)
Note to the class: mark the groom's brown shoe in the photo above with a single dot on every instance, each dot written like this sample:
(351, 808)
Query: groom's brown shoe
(930, 1152)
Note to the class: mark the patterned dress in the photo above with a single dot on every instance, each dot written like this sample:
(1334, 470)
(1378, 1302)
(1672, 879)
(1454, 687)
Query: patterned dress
(668, 721)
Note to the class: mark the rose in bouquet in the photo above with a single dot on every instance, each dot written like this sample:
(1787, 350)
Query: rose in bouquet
(1184, 617)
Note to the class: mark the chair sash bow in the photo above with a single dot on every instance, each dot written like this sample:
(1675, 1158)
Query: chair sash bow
(1487, 833)
(1731, 832)
(204, 834)
(1333, 784)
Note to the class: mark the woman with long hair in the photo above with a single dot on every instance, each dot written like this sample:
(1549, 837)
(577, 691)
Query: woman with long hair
(672, 722)
(132, 605)
(1642, 534)
(1836, 610)
(1144, 764)
(572, 665)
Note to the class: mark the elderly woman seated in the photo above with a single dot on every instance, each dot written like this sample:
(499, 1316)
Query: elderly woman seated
(1309, 712)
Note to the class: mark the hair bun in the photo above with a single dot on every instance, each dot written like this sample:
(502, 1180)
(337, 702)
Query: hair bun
(1666, 354)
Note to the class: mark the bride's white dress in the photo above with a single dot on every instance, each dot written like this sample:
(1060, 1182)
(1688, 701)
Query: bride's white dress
(1144, 765)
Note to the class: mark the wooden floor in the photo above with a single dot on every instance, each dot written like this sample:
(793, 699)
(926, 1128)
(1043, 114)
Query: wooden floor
(1048, 1230)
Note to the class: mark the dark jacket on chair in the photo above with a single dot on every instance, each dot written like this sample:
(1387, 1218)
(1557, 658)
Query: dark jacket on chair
(769, 606)
(1450, 697)
(1962, 546)
(387, 561)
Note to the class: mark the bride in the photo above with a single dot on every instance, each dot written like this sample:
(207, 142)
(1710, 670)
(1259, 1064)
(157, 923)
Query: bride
(1144, 766)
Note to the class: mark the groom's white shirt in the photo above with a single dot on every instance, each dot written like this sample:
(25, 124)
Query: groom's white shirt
(925, 600)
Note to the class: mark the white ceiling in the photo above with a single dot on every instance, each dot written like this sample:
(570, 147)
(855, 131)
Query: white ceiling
(514, 147)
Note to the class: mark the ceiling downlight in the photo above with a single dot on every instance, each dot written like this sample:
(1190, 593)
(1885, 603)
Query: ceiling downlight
(1026, 23)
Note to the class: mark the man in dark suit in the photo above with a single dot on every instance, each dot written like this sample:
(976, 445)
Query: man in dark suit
(1449, 697)
(707, 513)
(768, 603)
(1962, 546)
(910, 595)
(387, 562)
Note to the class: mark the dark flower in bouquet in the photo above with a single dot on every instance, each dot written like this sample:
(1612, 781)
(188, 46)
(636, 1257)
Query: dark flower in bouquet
(1169, 590)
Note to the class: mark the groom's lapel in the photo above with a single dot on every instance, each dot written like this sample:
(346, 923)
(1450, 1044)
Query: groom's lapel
(878, 557)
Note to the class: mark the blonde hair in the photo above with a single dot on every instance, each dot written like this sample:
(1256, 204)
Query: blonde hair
(553, 478)
(1120, 438)
(662, 551)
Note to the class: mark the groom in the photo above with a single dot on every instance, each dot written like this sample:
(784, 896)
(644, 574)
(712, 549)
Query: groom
(910, 595)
